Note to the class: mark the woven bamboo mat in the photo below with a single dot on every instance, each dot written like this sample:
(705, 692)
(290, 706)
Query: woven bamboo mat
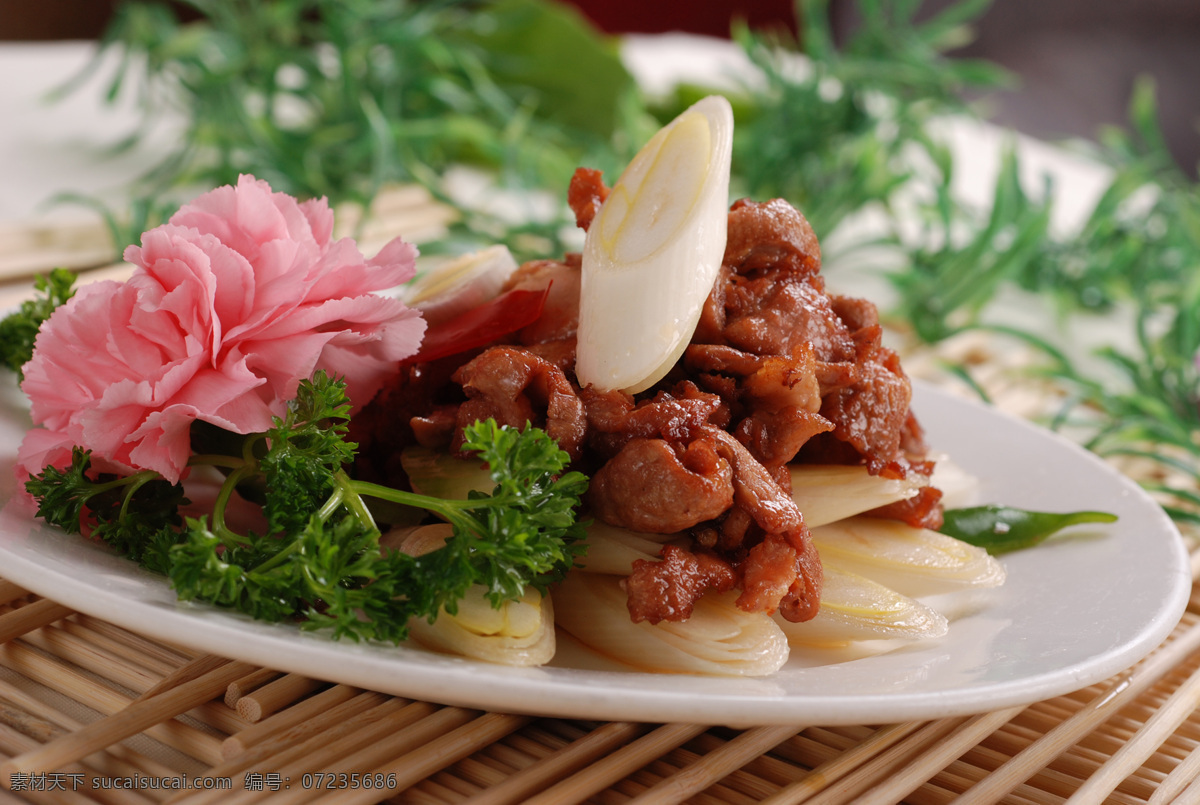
(90, 712)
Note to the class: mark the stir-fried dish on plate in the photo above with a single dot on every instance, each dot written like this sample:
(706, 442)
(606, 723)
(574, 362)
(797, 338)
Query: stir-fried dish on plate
(677, 446)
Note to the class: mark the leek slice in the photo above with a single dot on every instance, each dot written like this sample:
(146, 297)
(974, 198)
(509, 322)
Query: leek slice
(653, 251)
(520, 632)
(613, 550)
(827, 493)
(460, 284)
(855, 608)
(911, 561)
(719, 639)
(442, 475)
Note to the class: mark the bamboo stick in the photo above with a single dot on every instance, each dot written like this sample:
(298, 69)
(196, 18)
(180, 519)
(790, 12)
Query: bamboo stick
(120, 670)
(523, 749)
(1047, 786)
(76, 777)
(888, 762)
(839, 765)
(369, 755)
(437, 791)
(301, 713)
(157, 659)
(738, 786)
(767, 768)
(116, 760)
(916, 772)
(618, 764)
(512, 754)
(477, 773)
(268, 699)
(1121, 689)
(56, 789)
(413, 766)
(343, 719)
(129, 721)
(249, 683)
(812, 748)
(342, 730)
(716, 765)
(394, 722)
(568, 760)
(1134, 753)
(10, 592)
(124, 671)
(183, 674)
(105, 633)
(1183, 778)
(17, 622)
(85, 690)
(33, 725)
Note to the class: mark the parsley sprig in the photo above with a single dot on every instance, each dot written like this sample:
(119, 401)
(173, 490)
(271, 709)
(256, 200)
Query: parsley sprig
(319, 557)
(19, 328)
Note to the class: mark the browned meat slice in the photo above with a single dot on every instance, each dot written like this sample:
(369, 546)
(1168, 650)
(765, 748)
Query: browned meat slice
(922, 510)
(667, 590)
(782, 572)
(585, 194)
(777, 398)
(614, 417)
(754, 490)
(856, 313)
(871, 414)
(516, 387)
(772, 234)
(786, 574)
(652, 486)
(774, 313)
(775, 437)
(436, 429)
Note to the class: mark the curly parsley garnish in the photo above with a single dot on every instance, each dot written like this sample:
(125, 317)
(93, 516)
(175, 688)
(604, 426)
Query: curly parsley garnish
(320, 558)
(19, 328)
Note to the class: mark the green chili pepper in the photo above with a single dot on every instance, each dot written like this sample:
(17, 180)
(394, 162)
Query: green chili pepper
(999, 529)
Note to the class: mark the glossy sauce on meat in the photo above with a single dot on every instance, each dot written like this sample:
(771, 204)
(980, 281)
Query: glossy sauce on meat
(778, 371)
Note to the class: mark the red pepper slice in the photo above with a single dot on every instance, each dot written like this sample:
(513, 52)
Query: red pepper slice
(482, 325)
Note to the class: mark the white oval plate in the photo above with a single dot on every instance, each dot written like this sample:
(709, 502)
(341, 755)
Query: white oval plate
(1074, 611)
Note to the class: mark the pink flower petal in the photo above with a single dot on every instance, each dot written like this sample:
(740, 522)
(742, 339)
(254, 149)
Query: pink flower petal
(234, 301)
(42, 448)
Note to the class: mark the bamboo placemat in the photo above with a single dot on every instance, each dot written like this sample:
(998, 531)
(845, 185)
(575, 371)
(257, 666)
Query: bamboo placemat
(90, 712)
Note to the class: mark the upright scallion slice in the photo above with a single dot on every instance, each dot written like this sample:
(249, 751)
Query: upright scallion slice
(653, 251)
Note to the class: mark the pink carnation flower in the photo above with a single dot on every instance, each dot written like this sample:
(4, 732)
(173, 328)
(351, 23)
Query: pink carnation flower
(237, 298)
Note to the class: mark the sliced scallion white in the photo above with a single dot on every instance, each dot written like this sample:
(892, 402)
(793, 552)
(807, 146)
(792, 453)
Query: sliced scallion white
(442, 475)
(718, 639)
(911, 561)
(856, 608)
(460, 284)
(653, 252)
(827, 493)
(518, 632)
(613, 550)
